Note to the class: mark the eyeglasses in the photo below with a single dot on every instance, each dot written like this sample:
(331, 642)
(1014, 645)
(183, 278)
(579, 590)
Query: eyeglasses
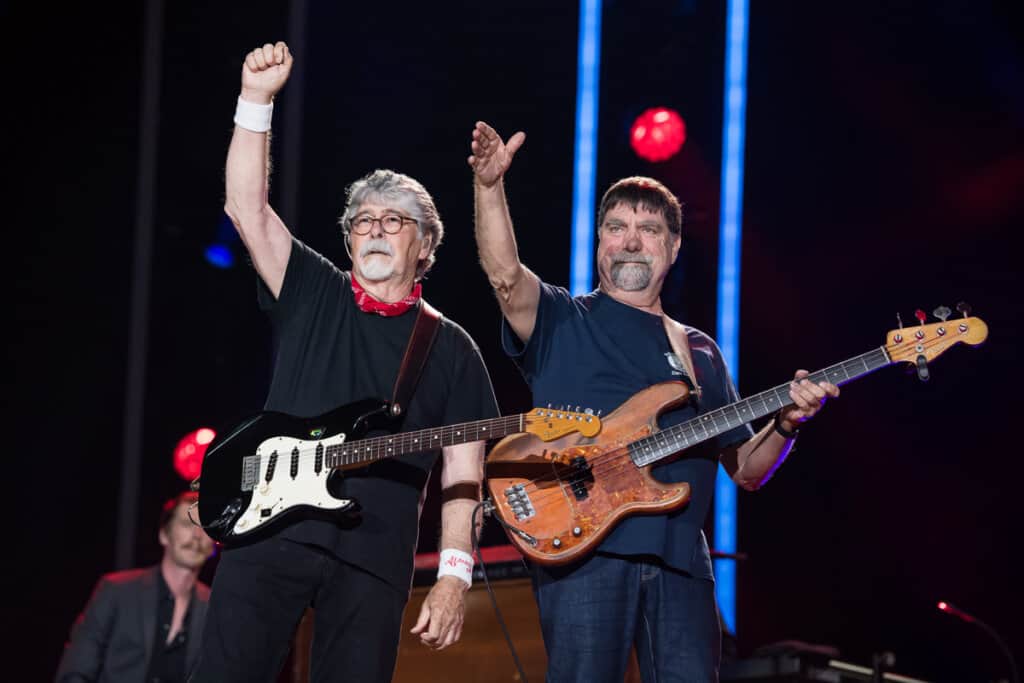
(391, 223)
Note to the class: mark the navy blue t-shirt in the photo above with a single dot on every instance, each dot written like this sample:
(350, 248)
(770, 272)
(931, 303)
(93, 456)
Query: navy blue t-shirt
(596, 352)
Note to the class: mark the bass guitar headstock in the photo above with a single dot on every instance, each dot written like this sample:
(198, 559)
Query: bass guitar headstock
(923, 343)
(549, 423)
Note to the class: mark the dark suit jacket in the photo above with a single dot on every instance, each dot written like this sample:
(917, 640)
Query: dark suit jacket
(112, 639)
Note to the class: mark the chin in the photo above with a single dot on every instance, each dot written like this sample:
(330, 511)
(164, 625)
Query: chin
(376, 271)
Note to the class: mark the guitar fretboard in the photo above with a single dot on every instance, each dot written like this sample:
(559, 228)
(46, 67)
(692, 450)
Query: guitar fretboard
(405, 443)
(708, 425)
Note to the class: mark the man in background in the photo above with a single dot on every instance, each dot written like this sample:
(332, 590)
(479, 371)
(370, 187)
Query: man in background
(144, 624)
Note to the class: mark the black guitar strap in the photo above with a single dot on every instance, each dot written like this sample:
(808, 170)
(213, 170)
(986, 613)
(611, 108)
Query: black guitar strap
(428, 319)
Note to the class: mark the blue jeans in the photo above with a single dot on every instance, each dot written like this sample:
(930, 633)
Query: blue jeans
(592, 612)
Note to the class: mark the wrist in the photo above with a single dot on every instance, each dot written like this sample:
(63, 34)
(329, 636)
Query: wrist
(785, 428)
(455, 563)
(253, 116)
(256, 96)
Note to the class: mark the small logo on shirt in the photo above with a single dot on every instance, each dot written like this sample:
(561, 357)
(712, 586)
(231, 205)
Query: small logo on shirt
(674, 363)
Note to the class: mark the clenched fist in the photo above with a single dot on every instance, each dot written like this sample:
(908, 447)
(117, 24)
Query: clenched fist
(265, 72)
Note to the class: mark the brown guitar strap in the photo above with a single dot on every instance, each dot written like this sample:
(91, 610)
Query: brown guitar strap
(676, 334)
(428, 319)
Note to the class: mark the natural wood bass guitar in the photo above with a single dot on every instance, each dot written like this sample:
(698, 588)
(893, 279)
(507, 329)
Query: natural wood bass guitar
(559, 499)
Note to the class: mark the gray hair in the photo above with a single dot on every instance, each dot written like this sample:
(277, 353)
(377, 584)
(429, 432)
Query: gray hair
(398, 191)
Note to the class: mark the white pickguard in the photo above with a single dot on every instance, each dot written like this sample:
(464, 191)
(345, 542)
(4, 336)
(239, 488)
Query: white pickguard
(283, 492)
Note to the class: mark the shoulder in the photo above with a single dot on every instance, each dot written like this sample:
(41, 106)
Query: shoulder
(202, 591)
(456, 334)
(702, 341)
(127, 576)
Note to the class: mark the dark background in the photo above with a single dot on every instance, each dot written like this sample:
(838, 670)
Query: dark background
(884, 170)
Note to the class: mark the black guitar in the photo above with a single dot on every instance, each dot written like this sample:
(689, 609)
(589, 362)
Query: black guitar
(275, 469)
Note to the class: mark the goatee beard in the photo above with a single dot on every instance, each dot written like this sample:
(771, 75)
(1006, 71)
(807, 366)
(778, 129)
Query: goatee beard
(631, 276)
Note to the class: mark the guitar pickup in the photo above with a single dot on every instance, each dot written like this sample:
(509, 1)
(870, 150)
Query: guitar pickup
(519, 502)
(250, 472)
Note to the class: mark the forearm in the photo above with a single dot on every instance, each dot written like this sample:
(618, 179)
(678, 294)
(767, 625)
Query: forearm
(758, 458)
(461, 479)
(456, 525)
(246, 176)
(495, 239)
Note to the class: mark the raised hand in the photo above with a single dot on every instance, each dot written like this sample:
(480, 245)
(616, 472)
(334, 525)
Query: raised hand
(491, 156)
(265, 72)
(808, 399)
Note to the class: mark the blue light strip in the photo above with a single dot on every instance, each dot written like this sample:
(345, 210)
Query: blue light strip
(729, 239)
(588, 63)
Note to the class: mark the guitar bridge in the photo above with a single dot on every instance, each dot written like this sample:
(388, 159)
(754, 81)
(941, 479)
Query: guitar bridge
(250, 472)
(519, 502)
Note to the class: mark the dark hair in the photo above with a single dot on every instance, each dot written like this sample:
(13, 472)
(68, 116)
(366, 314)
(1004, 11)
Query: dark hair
(645, 193)
(172, 504)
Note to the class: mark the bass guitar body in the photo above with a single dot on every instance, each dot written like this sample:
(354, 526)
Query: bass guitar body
(562, 497)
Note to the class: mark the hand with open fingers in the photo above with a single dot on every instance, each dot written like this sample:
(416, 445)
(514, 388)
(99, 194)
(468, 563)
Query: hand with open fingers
(265, 72)
(491, 155)
(440, 621)
(808, 398)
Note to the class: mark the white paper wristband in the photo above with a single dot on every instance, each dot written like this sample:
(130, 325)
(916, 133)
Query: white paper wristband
(456, 563)
(252, 116)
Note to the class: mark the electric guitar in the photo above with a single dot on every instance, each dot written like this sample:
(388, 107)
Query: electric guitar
(274, 469)
(558, 500)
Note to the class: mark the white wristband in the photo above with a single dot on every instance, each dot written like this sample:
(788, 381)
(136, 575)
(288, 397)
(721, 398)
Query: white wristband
(456, 563)
(252, 116)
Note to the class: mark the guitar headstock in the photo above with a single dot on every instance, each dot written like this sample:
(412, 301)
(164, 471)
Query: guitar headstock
(550, 423)
(909, 344)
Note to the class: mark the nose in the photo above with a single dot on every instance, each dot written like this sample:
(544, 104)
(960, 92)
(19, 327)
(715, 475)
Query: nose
(377, 229)
(633, 241)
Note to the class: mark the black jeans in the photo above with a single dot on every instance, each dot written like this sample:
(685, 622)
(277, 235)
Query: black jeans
(259, 595)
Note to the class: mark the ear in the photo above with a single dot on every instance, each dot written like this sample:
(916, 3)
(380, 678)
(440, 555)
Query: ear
(424, 247)
(677, 242)
(162, 537)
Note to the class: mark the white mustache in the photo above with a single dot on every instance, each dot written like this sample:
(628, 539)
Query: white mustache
(376, 246)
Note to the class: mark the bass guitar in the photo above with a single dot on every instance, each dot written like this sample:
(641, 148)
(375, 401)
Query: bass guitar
(274, 469)
(559, 499)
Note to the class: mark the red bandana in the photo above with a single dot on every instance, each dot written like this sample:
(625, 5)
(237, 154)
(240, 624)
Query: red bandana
(368, 304)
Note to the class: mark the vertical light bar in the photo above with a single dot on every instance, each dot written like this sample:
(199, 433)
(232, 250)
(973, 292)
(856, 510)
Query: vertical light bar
(729, 238)
(585, 158)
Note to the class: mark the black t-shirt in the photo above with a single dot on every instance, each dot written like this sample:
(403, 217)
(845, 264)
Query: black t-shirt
(168, 662)
(329, 353)
(596, 352)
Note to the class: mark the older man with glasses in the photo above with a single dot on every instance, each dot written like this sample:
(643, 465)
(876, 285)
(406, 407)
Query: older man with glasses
(340, 337)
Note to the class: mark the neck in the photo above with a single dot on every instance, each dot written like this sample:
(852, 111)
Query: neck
(180, 580)
(389, 291)
(647, 300)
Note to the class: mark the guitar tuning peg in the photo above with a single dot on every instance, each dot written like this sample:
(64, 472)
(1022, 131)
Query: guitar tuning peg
(921, 316)
(964, 308)
(942, 312)
(549, 406)
(589, 411)
(599, 412)
(577, 409)
(899, 320)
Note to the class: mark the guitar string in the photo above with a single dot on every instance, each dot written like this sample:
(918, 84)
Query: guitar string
(612, 459)
(407, 440)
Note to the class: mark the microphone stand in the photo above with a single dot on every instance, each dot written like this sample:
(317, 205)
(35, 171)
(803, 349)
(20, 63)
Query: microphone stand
(970, 619)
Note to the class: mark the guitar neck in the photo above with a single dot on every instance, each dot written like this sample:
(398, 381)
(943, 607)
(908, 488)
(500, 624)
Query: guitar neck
(405, 443)
(709, 425)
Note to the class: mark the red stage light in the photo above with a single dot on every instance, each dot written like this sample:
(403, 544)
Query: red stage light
(188, 454)
(657, 134)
